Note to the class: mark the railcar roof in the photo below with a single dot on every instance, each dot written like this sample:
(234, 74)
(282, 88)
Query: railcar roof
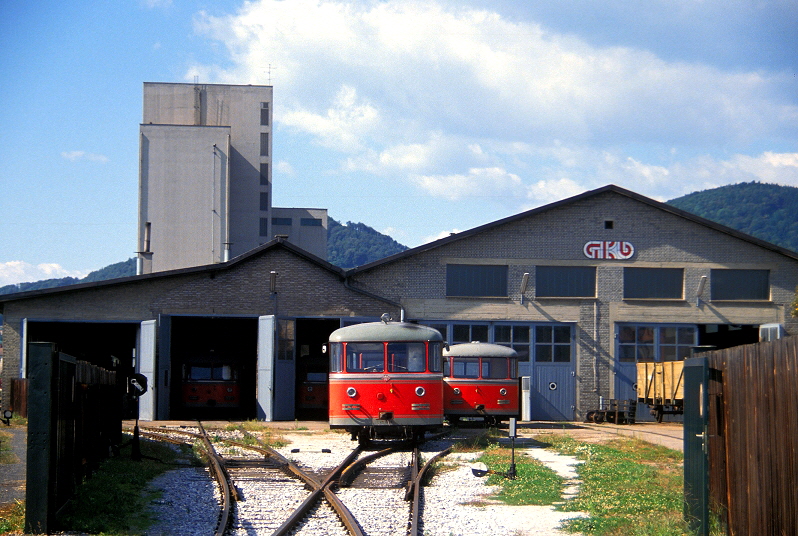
(380, 331)
(479, 349)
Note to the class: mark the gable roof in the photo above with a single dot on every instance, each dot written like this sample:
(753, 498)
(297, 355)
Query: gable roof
(611, 188)
(277, 243)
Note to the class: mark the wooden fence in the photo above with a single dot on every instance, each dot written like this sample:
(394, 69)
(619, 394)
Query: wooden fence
(19, 397)
(753, 437)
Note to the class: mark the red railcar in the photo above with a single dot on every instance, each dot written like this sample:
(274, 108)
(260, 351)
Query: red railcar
(210, 385)
(386, 380)
(480, 380)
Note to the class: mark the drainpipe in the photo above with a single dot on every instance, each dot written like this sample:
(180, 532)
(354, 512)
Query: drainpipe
(598, 347)
(401, 307)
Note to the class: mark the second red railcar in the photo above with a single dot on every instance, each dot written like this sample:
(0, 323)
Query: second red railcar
(480, 380)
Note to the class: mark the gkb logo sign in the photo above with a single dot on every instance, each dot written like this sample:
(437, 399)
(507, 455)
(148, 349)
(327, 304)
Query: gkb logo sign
(608, 250)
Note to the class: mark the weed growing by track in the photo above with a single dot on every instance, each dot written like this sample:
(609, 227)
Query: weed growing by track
(534, 483)
(12, 518)
(115, 499)
(629, 487)
(261, 430)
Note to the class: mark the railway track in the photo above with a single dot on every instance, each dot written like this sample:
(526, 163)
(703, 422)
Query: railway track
(353, 493)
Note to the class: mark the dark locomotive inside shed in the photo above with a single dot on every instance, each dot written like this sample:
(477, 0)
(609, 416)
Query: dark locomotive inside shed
(213, 368)
(313, 367)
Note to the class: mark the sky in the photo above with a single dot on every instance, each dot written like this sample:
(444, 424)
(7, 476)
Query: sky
(418, 119)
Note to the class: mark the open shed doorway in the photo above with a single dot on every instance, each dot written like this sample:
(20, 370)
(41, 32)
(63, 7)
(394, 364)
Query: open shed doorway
(110, 345)
(313, 367)
(214, 367)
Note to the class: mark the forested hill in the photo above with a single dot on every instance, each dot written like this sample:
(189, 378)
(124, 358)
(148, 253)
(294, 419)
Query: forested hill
(356, 244)
(348, 246)
(119, 269)
(766, 211)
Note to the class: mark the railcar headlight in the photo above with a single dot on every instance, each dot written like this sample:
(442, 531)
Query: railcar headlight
(457, 390)
(420, 391)
(351, 391)
(503, 391)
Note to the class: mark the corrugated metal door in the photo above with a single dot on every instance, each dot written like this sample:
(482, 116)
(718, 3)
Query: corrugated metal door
(145, 364)
(554, 395)
(265, 381)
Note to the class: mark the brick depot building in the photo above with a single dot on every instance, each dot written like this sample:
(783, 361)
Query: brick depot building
(583, 289)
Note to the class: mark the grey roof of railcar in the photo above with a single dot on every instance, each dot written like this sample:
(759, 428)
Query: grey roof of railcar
(479, 349)
(380, 331)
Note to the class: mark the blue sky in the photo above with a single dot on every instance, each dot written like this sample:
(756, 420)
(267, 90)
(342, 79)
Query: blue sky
(416, 118)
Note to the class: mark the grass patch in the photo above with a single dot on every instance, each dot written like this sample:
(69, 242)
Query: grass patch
(477, 443)
(629, 487)
(534, 483)
(114, 500)
(12, 518)
(261, 431)
(6, 452)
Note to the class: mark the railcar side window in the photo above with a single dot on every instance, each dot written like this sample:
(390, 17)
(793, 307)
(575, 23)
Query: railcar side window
(365, 357)
(336, 357)
(436, 356)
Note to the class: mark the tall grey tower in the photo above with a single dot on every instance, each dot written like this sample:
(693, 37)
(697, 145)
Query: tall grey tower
(205, 192)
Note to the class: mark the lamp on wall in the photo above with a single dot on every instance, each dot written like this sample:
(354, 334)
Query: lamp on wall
(700, 290)
(524, 283)
(273, 282)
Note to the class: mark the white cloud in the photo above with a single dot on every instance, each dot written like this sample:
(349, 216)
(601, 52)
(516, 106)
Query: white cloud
(442, 234)
(342, 126)
(13, 272)
(469, 105)
(478, 182)
(75, 156)
(461, 68)
(285, 168)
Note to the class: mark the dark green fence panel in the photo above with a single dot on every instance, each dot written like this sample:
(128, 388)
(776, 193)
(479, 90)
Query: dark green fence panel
(696, 461)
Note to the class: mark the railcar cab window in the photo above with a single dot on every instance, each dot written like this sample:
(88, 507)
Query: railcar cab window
(370, 357)
(210, 373)
(365, 357)
(470, 367)
(336, 357)
(406, 357)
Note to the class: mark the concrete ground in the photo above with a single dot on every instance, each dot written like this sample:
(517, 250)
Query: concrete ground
(668, 435)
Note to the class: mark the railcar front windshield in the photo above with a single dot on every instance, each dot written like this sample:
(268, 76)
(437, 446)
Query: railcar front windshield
(210, 373)
(480, 367)
(407, 357)
(495, 367)
(466, 367)
(365, 357)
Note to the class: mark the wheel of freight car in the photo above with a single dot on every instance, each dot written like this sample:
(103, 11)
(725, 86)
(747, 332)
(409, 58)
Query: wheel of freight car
(590, 416)
(598, 418)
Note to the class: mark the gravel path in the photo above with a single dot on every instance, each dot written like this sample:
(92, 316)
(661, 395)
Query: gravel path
(456, 503)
